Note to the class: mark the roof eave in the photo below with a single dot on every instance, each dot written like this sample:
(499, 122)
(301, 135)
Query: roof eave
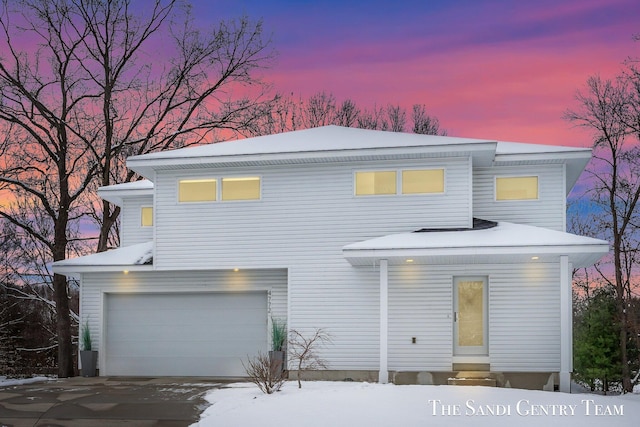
(146, 166)
(117, 196)
(74, 270)
(593, 251)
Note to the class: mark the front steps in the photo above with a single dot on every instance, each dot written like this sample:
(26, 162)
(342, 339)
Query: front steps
(473, 378)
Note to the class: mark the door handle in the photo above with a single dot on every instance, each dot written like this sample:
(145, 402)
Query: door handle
(455, 316)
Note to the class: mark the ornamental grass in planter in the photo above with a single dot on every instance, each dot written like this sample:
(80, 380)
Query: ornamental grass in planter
(278, 345)
(88, 357)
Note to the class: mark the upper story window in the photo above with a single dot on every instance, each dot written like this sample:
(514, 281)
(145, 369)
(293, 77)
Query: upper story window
(375, 182)
(517, 188)
(413, 181)
(197, 190)
(146, 216)
(423, 181)
(247, 188)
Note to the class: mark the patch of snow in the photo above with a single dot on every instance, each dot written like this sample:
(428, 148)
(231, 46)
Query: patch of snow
(364, 404)
(130, 255)
(4, 381)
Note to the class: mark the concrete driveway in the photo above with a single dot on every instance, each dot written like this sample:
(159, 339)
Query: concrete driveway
(105, 401)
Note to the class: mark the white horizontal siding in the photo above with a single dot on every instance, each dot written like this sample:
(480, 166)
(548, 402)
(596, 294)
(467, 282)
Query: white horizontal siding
(524, 327)
(420, 306)
(304, 218)
(524, 316)
(131, 230)
(305, 213)
(95, 285)
(548, 211)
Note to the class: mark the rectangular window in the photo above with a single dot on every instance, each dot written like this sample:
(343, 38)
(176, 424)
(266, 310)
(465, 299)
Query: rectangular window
(375, 182)
(247, 188)
(146, 214)
(197, 190)
(517, 188)
(423, 181)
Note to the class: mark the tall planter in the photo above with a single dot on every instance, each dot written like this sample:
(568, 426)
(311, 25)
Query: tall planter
(277, 355)
(88, 361)
(277, 362)
(88, 357)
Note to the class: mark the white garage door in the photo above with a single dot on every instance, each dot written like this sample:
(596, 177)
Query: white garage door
(201, 334)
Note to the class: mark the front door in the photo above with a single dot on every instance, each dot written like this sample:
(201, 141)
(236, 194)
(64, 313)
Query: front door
(470, 316)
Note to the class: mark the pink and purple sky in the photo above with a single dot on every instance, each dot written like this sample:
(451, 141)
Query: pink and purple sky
(496, 69)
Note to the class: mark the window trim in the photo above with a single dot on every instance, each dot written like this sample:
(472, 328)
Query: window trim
(444, 181)
(218, 195)
(355, 186)
(179, 180)
(495, 188)
(142, 216)
(399, 189)
(237, 178)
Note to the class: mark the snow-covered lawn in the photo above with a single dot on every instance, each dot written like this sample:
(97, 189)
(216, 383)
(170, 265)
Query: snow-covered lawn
(364, 404)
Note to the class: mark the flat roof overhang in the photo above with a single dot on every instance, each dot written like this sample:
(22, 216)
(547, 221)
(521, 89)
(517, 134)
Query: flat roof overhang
(505, 244)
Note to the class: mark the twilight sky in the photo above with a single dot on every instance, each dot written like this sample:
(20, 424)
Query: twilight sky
(496, 69)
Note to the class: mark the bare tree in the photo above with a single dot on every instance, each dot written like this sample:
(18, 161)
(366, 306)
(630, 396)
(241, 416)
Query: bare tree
(423, 123)
(609, 109)
(303, 350)
(396, 119)
(289, 113)
(319, 110)
(89, 90)
(347, 114)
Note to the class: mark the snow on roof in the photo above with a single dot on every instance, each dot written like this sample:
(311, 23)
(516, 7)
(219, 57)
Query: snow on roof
(506, 241)
(326, 138)
(129, 256)
(143, 184)
(506, 148)
(505, 234)
(115, 193)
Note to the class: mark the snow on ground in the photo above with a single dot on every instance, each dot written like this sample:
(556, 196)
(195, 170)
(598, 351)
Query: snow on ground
(4, 381)
(363, 404)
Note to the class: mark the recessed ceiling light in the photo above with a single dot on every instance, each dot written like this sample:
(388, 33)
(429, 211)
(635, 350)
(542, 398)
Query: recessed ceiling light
(535, 257)
(409, 260)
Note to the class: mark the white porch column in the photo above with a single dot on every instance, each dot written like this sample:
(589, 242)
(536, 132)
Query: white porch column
(383, 376)
(566, 326)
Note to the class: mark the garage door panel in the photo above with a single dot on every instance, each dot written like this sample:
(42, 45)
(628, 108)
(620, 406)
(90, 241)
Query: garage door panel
(203, 334)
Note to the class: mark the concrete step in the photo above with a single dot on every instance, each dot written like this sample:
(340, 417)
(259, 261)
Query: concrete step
(482, 378)
(486, 382)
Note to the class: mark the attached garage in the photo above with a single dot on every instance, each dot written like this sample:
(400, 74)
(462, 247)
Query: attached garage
(183, 334)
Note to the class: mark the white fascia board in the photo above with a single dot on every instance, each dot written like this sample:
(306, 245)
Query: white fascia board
(74, 270)
(522, 157)
(478, 250)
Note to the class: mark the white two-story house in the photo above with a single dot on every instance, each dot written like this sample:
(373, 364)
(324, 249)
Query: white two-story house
(421, 256)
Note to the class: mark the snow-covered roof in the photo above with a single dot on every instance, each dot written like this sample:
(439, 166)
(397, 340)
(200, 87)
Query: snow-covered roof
(115, 193)
(325, 138)
(332, 143)
(137, 257)
(507, 242)
(327, 143)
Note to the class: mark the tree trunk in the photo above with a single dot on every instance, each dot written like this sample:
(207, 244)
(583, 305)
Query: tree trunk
(63, 327)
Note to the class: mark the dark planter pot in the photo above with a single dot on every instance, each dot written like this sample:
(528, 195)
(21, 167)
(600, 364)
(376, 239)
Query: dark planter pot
(88, 360)
(277, 362)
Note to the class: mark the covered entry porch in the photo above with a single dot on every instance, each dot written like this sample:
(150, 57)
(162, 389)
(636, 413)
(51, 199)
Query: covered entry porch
(510, 283)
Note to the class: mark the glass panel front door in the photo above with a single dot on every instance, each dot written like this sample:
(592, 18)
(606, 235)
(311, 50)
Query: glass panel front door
(470, 316)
